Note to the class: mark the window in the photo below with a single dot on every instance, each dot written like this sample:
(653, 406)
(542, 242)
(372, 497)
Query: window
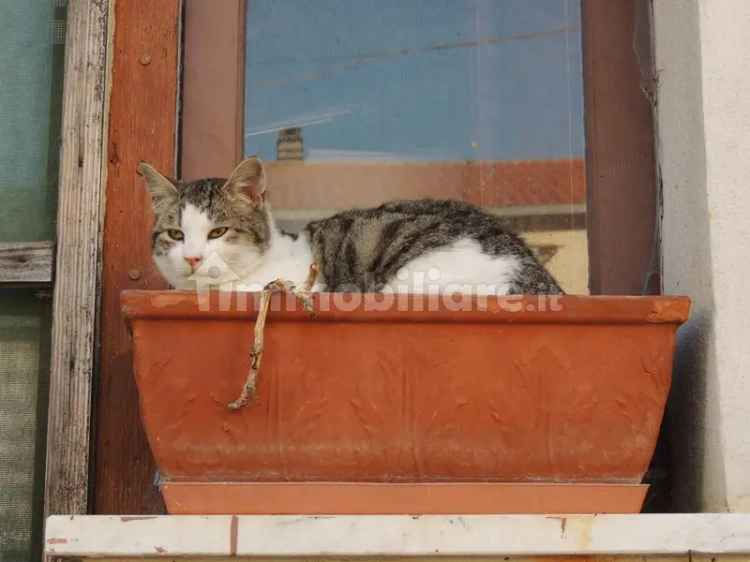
(31, 63)
(358, 103)
(618, 167)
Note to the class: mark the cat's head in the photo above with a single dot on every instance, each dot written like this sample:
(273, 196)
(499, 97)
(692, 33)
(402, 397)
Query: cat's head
(210, 231)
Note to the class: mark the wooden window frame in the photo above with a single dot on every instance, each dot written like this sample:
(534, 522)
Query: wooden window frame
(622, 186)
(211, 139)
(143, 120)
(26, 264)
(143, 124)
(76, 253)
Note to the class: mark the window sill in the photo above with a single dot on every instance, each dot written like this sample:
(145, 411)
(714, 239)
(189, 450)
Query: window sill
(336, 536)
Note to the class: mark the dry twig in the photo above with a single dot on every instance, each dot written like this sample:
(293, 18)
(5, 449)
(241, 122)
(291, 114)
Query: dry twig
(256, 353)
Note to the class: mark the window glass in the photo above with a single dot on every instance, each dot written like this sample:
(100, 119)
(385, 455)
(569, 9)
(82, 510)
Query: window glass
(358, 102)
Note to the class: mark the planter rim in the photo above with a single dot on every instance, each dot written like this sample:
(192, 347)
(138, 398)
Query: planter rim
(372, 307)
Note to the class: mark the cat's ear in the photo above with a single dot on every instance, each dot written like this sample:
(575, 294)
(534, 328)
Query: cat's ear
(249, 179)
(162, 189)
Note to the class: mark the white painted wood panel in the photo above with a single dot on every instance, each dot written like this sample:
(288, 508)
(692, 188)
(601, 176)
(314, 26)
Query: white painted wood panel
(434, 535)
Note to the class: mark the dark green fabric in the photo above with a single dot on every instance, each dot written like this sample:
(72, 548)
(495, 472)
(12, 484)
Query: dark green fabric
(24, 368)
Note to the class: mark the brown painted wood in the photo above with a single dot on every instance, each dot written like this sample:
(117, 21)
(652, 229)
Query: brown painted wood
(214, 87)
(26, 263)
(142, 127)
(624, 192)
(621, 168)
(79, 244)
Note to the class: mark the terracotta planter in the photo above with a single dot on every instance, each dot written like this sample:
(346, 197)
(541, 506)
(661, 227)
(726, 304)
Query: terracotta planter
(525, 405)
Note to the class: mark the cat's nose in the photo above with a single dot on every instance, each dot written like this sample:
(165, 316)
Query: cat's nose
(193, 263)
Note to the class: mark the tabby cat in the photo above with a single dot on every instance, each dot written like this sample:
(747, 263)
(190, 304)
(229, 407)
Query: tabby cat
(220, 232)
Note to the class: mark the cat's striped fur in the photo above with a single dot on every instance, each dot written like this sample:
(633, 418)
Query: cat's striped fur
(355, 250)
(363, 249)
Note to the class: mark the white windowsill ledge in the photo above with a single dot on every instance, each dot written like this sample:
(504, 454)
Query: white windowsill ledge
(429, 535)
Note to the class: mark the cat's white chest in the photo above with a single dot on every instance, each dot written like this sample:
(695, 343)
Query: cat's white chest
(286, 259)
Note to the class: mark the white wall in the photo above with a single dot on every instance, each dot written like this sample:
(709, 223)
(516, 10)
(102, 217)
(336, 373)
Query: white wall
(703, 61)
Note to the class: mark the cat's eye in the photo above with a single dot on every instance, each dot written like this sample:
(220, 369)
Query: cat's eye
(217, 232)
(175, 234)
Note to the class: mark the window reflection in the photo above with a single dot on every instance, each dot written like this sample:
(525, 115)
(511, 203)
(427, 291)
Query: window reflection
(358, 102)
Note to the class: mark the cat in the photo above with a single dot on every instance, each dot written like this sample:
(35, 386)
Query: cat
(221, 233)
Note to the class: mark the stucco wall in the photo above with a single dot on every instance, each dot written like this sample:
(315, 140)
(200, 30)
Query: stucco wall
(703, 61)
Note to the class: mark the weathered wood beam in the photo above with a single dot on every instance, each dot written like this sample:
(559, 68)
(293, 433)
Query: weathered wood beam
(78, 263)
(26, 263)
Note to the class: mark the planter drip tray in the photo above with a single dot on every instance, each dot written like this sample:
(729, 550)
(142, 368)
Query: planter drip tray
(309, 498)
(404, 404)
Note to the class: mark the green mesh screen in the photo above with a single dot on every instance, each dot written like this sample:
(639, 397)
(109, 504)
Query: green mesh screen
(31, 67)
